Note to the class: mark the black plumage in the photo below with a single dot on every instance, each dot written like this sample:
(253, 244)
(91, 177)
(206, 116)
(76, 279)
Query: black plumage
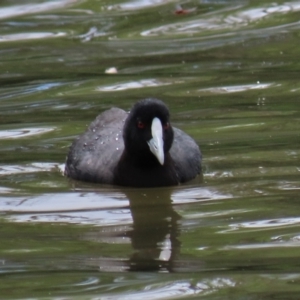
(139, 149)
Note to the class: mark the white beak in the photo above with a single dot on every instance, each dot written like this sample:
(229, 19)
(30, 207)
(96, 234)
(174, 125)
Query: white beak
(156, 144)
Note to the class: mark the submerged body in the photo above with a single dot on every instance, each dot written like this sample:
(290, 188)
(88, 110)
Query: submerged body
(139, 149)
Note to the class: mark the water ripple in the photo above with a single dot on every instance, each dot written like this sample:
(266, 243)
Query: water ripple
(7, 170)
(263, 224)
(23, 132)
(72, 202)
(197, 195)
(30, 36)
(262, 246)
(14, 92)
(237, 88)
(137, 4)
(220, 20)
(179, 289)
(132, 85)
(20, 10)
(176, 289)
(72, 208)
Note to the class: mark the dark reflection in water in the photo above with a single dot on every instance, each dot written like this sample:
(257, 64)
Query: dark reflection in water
(154, 235)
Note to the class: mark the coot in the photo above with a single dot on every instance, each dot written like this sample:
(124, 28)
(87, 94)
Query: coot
(138, 149)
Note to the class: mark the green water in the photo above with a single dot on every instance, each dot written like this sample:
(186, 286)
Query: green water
(229, 72)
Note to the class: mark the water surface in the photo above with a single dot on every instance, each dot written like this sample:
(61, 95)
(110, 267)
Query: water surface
(228, 70)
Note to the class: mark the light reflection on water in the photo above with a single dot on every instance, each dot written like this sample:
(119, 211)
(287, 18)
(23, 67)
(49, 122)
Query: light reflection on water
(237, 88)
(132, 85)
(71, 202)
(23, 133)
(228, 71)
(138, 4)
(264, 224)
(264, 245)
(19, 10)
(219, 20)
(178, 289)
(97, 218)
(102, 208)
(29, 89)
(30, 36)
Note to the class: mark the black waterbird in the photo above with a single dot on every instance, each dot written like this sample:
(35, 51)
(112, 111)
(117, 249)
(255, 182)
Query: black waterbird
(138, 149)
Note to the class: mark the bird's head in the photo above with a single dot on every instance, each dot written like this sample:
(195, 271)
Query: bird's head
(147, 131)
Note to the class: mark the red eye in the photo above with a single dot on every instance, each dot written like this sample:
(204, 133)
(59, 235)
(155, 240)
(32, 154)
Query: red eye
(140, 125)
(166, 126)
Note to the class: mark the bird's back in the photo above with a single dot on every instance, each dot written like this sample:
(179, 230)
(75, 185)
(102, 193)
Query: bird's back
(98, 155)
(94, 154)
(186, 156)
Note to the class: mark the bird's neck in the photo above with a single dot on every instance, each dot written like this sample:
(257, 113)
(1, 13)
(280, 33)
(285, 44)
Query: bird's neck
(144, 160)
(146, 171)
